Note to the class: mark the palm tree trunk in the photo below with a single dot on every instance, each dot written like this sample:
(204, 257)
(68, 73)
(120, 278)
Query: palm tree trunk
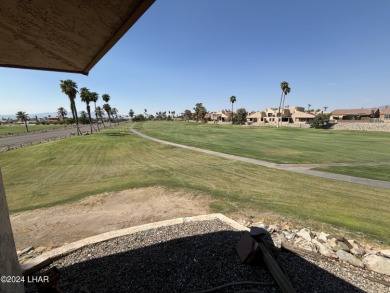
(25, 123)
(284, 97)
(97, 121)
(89, 115)
(77, 118)
(280, 105)
(232, 113)
(109, 119)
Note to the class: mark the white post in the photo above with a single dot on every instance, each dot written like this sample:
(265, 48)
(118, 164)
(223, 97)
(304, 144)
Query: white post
(10, 272)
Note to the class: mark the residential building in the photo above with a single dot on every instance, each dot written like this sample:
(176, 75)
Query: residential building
(350, 115)
(384, 115)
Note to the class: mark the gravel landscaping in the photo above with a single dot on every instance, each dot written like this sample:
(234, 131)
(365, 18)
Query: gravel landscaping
(191, 257)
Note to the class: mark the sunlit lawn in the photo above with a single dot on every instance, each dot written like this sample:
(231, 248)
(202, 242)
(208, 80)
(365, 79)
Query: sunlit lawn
(112, 160)
(279, 145)
(380, 172)
(21, 128)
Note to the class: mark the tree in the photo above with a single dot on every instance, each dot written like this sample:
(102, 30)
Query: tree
(139, 117)
(240, 116)
(232, 100)
(24, 117)
(285, 90)
(94, 98)
(320, 121)
(86, 97)
(146, 113)
(114, 112)
(200, 111)
(107, 108)
(61, 111)
(325, 108)
(173, 113)
(83, 117)
(99, 113)
(308, 108)
(69, 88)
(106, 97)
(187, 115)
(131, 114)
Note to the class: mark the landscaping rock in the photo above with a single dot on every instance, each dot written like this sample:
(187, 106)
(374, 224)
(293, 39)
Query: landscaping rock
(260, 225)
(337, 245)
(306, 245)
(385, 252)
(324, 249)
(359, 252)
(274, 228)
(349, 258)
(323, 237)
(305, 234)
(377, 263)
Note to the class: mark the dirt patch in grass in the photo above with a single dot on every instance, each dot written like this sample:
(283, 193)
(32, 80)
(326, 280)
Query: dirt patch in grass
(54, 226)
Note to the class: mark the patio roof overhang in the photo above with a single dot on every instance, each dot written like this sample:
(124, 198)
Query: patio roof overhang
(63, 35)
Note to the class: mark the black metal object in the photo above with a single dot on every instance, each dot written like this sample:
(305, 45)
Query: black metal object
(256, 247)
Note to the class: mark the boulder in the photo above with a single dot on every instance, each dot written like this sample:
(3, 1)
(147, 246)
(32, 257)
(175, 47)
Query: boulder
(359, 252)
(349, 258)
(306, 245)
(377, 263)
(337, 245)
(305, 234)
(385, 252)
(324, 249)
(274, 228)
(260, 225)
(323, 237)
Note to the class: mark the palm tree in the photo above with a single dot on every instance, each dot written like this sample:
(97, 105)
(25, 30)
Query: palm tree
(99, 113)
(308, 108)
(83, 117)
(69, 88)
(325, 108)
(106, 97)
(107, 108)
(61, 111)
(85, 95)
(285, 90)
(131, 114)
(146, 113)
(94, 97)
(23, 116)
(232, 100)
(114, 112)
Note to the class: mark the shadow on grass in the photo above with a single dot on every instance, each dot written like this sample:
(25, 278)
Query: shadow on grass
(187, 264)
(117, 133)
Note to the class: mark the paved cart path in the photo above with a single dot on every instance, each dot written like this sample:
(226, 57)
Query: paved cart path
(24, 139)
(297, 168)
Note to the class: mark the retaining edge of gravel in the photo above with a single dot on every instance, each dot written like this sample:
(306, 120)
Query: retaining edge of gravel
(57, 253)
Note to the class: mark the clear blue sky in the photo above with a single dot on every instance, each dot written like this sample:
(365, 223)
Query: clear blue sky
(333, 53)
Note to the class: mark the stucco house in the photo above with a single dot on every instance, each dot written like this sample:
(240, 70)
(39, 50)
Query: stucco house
(256, 117)
(384, 115)
(363, 114)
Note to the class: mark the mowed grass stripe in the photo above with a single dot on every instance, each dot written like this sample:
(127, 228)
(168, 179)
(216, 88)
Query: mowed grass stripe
(279, 145)
(113, 160)
(379, 172)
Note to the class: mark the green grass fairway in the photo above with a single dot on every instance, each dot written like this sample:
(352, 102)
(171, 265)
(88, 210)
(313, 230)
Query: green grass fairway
(380, 172)
(279, 145)
(17, 128)
(116, 159)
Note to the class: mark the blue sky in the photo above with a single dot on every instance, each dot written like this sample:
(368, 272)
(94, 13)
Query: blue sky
(333, 53)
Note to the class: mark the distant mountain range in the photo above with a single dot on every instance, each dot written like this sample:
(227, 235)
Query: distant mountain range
(39, 115)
